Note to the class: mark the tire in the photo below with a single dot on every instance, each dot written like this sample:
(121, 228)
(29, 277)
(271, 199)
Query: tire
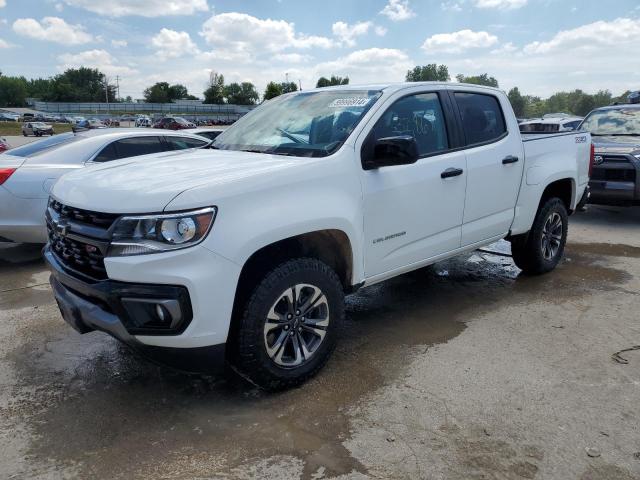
(265, 351)
(540, 250)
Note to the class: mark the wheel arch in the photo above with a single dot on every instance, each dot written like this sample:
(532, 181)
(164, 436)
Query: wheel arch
(331, 246)
(564, 189)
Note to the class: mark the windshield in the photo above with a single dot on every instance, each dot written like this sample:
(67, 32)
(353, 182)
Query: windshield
(40, 146)
(313, 124)
(620, 121)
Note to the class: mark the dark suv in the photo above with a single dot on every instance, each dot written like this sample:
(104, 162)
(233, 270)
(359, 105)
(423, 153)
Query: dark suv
(173, 123)
(615, 132)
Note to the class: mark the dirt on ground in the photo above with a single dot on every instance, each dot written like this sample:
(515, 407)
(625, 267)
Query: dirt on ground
(464, 370)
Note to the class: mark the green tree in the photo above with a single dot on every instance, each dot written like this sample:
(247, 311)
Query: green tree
(273, 90)
(241, 93)
(80, 85)
(214, 93)
(428, 73)
(518, 102)
(288, 87)
(483, 79)
(178, 92)
(329, 82)
(157, 93)
(13, 92)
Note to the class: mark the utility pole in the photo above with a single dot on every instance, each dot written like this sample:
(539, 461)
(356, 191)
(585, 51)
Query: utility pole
(286, 76)
(106, 89)
(118, 87)
(300, 83)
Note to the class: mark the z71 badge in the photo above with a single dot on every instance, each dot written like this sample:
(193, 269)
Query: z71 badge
(582, 139)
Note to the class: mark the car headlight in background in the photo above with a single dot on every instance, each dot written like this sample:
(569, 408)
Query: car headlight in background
(140, 234)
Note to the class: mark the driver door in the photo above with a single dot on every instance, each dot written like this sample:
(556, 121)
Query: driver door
(413, 212)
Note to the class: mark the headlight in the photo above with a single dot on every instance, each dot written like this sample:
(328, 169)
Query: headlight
(137, 235)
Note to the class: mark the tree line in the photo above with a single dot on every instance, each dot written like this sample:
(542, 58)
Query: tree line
(90, 85)
(74, 85)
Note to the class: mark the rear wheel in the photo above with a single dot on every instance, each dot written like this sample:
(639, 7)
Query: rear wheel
(542, 248)
(290, 324)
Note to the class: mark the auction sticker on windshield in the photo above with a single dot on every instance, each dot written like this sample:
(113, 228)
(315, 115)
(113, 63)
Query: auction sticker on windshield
(349, 102)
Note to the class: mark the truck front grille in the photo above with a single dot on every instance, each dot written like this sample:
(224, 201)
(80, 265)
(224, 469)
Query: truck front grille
(76, 255)
(96, 219)
(79, 239)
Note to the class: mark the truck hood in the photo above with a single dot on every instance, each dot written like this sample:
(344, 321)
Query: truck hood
(617, 144)
(148, 183)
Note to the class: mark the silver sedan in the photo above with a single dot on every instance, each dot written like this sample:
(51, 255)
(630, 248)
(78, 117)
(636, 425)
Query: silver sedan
(27, 173)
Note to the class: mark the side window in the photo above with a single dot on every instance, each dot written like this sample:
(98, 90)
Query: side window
(181, 143)
(107, 154)
(132, 147)
(419, 116)
(482, 117)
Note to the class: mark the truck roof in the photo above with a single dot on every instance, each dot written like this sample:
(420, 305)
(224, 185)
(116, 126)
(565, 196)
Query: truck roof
(392, 87)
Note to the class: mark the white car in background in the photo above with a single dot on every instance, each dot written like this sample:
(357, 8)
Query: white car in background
(144, 121)
(27, 173)
(550, 124)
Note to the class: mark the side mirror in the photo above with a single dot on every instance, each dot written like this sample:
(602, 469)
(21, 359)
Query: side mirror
(389, 151)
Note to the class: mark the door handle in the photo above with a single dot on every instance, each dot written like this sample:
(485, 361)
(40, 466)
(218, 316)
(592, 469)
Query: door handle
(451, 172)
(509, 159)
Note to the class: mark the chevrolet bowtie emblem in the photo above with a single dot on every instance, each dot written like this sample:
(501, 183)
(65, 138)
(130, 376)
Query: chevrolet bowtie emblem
(61, 228)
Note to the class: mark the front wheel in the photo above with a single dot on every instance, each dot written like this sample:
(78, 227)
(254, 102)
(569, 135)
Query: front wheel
(290, 324)
(542, 248)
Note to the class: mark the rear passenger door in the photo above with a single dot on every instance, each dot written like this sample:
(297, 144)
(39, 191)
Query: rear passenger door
(495, 161)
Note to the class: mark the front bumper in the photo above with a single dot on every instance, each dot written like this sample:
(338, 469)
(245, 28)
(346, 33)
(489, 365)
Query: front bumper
(612, 192)
(209, 280)
(117, 308)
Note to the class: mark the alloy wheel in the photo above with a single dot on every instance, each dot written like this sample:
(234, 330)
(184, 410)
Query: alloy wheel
(551, 236)
(296, 325)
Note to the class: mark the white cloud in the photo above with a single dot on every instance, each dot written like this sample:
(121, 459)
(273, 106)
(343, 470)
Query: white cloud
(3, 3)
(547, 66)
(500, 4)
(143, 8)
(452, 6)
(372, 65)
(380, 30)
(4, 44)
(348, 33)
(100, 59)
(398, 10)
(59, 7)
(52, 29)
(119, 43)
(240, 32)
(291, 58)
(506, 48)
(172, 44)
(588, 37)
(458, 42)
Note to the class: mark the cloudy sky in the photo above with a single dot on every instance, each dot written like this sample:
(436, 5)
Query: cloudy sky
(542, 46)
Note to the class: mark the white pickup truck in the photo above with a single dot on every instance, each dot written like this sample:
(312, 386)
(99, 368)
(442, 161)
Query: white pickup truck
(247, 250)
